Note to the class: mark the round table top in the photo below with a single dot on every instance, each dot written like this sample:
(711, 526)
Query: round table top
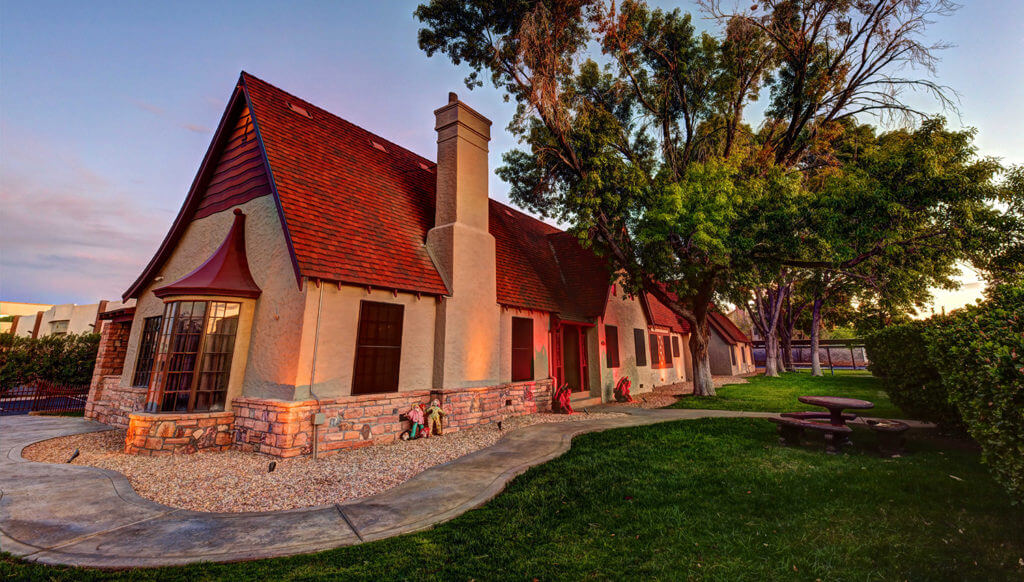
(831, 402)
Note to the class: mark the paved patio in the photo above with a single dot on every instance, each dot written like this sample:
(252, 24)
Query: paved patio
(84, 516)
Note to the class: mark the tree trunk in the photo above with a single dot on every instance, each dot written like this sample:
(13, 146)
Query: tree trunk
(703, 385)
(771, 355)
(816, 336)
(786, 337)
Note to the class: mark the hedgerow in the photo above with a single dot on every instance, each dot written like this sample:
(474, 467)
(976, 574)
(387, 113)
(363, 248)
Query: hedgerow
(979, 353)
(62, 359)
(899, 357)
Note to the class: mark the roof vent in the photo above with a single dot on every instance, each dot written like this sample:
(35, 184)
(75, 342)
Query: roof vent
(300, 110)
(378, 146)
(424, 167)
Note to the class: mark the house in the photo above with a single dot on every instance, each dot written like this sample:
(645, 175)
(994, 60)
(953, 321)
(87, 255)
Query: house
(729, 349)
(38, 320)
(320, 280)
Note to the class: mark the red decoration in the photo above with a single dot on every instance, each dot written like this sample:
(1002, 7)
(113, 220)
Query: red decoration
(622, 390)
(562, 400)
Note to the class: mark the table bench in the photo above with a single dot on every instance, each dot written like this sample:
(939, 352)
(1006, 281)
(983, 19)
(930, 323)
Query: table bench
(890, 435)
(811, 415)
(792, 429)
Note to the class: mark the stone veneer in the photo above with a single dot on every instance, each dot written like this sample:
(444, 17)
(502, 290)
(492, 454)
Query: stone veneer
(285, 428)
(170, 433)
(108, 401)
(111, 403)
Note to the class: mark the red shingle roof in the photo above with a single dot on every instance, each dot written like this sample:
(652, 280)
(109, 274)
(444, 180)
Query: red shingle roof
(354, 213)
(356, 209)
(662, 316)
(726, 328)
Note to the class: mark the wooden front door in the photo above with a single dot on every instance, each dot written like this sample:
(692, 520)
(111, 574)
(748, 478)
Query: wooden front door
(571, 357)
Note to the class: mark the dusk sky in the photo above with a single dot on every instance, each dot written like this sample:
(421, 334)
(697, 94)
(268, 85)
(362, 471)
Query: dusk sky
(106, 110)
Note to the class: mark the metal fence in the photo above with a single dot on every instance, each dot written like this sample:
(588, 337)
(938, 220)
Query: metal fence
(43, 396)
(838, 354)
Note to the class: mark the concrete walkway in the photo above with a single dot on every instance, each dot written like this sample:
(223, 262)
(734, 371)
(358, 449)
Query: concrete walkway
(84, 516)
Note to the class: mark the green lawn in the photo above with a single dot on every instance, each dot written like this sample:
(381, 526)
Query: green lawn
(780, 394)
(713, 499)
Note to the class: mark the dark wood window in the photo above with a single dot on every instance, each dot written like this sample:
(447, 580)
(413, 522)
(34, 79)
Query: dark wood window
(378, 348)
(666, 342)
(196, 343)
(655, 360)
(611, 340)
(522, 349)
(147, 351)
(732, 355)
(675, 346)
(639, 342)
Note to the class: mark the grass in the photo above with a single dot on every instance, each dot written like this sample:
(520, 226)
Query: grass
(74, 413)
(712, 499)
(780, 394)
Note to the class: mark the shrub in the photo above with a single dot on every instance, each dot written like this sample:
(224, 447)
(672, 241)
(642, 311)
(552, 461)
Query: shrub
(979, 351)
(899, 357)
(64, 359)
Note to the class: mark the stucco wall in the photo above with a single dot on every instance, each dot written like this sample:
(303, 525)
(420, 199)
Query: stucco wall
(336, 348)
(721, 362)
(272, 362)
(23, 325)
(541, 339)
(627, 314)
(80, 318)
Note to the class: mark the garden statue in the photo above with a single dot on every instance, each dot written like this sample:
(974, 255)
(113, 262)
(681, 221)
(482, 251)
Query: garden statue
(435, 414)
(622, 390)
(562, 400)
(415, 416)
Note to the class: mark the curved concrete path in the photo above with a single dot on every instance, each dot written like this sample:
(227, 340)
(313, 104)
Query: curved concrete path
(84, 516)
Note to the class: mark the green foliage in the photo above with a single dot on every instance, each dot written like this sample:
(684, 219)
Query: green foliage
(899, 356)
(63, 359)
(979, 351)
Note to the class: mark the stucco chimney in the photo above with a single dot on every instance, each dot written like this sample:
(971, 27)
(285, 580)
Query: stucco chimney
(466, 346)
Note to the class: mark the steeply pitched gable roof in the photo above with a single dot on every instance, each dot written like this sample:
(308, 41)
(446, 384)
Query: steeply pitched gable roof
(662, 316)
(726, 328)
(356, 209)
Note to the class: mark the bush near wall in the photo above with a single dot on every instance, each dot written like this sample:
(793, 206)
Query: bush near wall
(979, 352)
(899, 357)
(64, 359)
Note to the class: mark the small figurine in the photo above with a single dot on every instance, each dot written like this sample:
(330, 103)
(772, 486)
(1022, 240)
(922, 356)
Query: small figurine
(622, 390)
(435, 416)
(415, 416)
(562, 400)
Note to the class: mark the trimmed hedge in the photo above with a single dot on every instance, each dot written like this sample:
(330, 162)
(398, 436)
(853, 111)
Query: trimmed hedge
(979, 352)
(62, 359)
(899, 357)
(964, 369)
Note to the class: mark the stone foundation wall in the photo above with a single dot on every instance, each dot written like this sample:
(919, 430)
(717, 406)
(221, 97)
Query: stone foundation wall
(285, 428)
(110, 403)
(166, 434)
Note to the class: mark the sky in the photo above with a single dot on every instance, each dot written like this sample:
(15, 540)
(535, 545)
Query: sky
(106, 110)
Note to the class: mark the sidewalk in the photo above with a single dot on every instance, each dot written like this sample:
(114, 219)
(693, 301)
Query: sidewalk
(84, 516)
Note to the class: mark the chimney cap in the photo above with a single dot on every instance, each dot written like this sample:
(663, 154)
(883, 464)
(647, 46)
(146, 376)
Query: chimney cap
(452, 97)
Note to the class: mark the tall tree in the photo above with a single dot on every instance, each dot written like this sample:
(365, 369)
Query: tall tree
(649, 157)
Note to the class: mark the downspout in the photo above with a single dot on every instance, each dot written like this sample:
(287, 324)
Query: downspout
(312, 372)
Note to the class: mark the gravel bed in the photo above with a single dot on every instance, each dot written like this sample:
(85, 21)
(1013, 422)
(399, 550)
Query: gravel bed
(234, 481)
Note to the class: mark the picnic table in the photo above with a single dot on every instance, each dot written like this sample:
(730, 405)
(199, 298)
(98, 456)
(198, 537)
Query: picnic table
(836, 405)
(792, 424)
